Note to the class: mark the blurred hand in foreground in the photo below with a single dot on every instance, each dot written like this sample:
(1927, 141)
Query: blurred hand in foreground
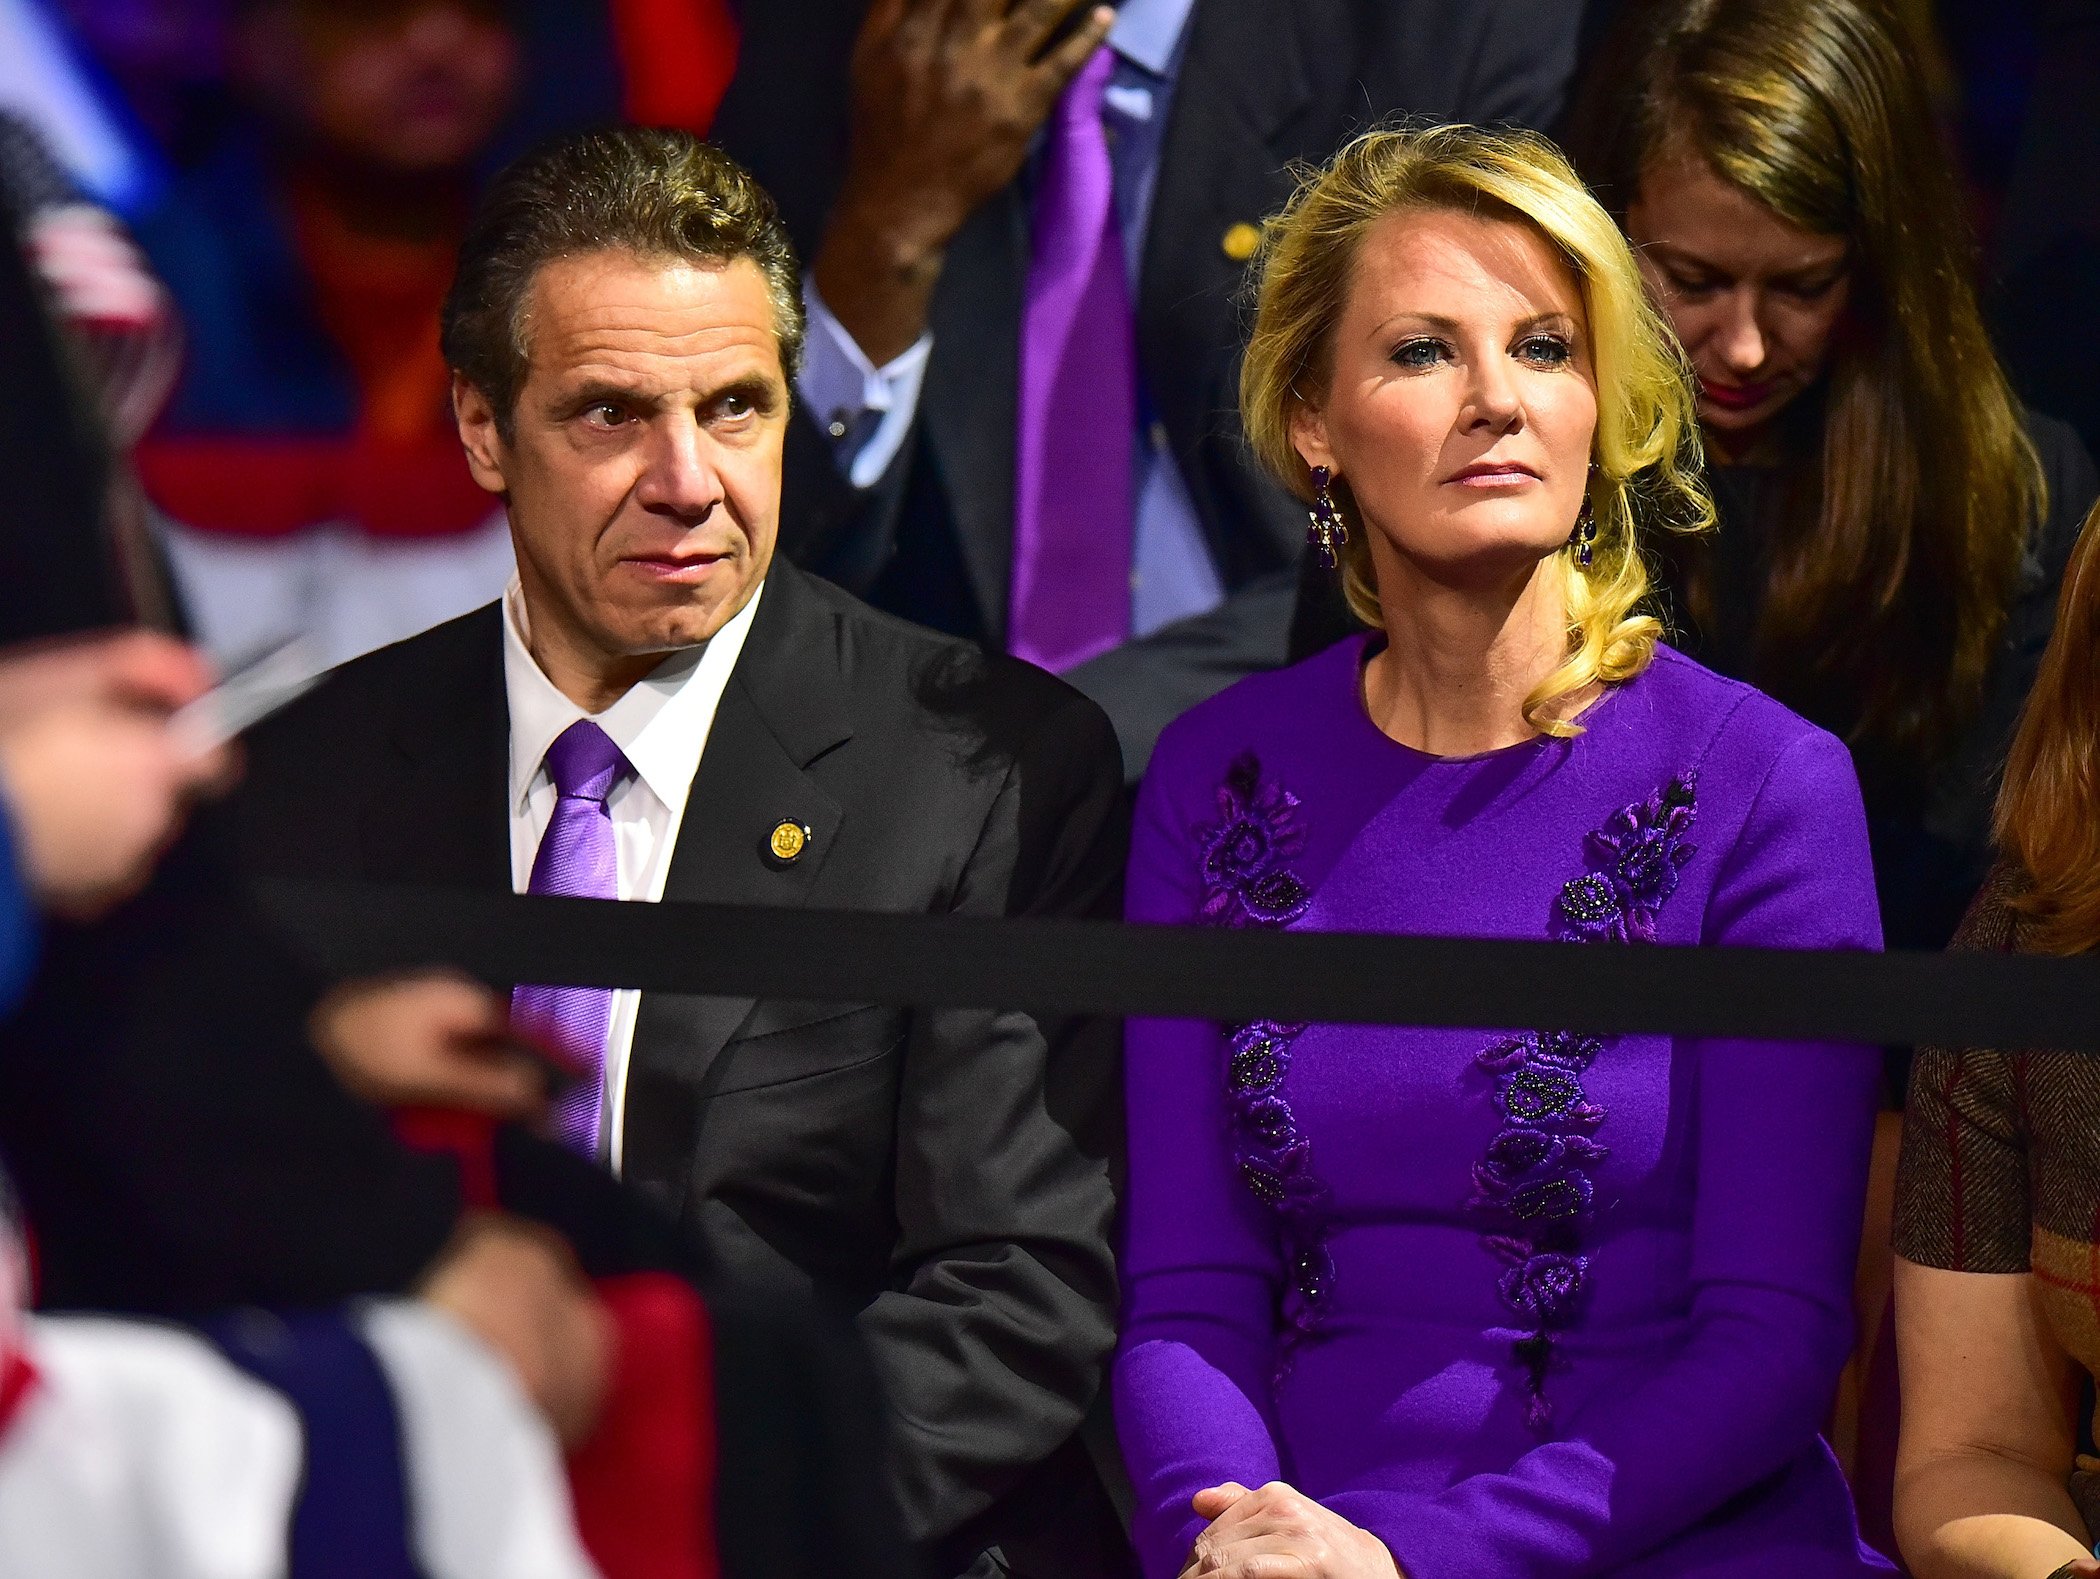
(515, 1286)
(433, 1039)
(96, 782)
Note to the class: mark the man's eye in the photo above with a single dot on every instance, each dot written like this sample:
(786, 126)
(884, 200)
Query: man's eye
(1692, 287)
(1419, 353)
(605, 414)
(737, 406)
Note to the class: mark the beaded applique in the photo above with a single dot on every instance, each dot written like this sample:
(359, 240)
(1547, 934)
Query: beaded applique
(1246, 883)
(1638, 853)
(1537, 1182)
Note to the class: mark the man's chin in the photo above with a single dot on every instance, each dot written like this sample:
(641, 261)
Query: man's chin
(669, 630)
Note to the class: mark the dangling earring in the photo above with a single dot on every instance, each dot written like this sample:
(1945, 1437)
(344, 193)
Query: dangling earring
(1328, 529)
(1584, 535)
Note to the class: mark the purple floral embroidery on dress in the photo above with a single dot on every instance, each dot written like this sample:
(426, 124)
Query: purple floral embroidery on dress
(1537, 1182)
(1637, 855)
(1246, 883)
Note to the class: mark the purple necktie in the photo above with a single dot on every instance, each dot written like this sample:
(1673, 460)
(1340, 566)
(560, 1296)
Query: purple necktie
(577, 857)
(1078, 411)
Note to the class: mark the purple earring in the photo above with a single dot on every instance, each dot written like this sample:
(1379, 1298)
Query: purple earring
(1584, 536)
(1328, 528)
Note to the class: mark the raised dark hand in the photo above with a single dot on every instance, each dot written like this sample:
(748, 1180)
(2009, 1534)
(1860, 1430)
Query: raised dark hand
(947, 95)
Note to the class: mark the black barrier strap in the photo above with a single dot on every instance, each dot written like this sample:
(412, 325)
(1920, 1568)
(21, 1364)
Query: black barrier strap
(1969, 999)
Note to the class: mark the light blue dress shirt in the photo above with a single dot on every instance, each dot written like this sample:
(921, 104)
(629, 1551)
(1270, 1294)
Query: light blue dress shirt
(868, 410)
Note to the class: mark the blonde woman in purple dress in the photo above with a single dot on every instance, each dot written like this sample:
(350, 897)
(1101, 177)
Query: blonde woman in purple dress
(1512, 1304)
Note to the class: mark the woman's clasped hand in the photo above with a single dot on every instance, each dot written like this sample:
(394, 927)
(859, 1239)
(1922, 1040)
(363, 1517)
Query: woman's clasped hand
(1276, 1532)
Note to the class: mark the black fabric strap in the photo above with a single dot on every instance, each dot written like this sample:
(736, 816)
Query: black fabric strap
(1956, 1000)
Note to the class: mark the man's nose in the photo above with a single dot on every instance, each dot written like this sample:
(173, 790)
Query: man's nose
(680, 477)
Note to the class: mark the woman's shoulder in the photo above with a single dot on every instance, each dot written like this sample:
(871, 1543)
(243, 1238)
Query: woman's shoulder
(1727, 724)
(2063, 454)
(1991, 924)
(2073, 483)
(1298, 713)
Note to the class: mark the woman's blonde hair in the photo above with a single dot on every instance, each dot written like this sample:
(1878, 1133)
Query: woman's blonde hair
(1646, 453)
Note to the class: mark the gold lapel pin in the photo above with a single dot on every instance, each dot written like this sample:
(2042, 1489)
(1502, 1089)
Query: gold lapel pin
(1241, 241)
(787, 841)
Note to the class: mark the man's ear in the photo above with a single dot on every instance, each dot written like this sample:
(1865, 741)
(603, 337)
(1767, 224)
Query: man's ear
(479, 436)
(1309, 438)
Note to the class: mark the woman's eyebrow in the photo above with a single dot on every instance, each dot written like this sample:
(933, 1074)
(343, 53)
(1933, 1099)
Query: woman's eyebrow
(1436, 321)
(1670, 253)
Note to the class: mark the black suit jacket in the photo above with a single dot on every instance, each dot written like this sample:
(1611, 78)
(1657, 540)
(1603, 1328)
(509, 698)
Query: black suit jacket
(1262, 84)
(947, 1172)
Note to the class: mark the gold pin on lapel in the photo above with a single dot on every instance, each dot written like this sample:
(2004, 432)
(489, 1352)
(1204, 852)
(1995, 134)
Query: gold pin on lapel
(1241, 241)
(787, 841)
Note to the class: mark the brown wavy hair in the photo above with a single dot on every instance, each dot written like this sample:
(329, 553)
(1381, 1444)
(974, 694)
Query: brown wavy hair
(2049, 807)
(1896, 561)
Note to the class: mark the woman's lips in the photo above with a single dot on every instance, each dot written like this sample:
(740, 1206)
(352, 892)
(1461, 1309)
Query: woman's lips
(1494, 476)
(1736, 397)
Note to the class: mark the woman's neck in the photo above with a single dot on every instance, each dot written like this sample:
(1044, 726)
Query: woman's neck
(1459, 662)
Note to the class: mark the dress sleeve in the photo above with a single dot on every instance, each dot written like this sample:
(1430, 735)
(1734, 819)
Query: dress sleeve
(1201, 1266)
(1782, 1132)
(1961, 1185)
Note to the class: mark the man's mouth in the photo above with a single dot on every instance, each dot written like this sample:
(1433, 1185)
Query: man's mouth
(677, 569)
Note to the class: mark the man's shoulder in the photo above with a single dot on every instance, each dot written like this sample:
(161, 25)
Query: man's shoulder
(922, 682)
(381, 686)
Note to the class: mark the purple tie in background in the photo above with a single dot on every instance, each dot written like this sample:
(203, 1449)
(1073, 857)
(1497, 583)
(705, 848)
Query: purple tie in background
(576, 857)
(1073, 493)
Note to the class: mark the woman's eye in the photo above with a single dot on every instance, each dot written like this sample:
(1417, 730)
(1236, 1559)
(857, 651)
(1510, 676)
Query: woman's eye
(1811, 290)
(1548, 350)
(1419, 353)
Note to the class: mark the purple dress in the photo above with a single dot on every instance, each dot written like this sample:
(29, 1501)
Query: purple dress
(1522, 1304)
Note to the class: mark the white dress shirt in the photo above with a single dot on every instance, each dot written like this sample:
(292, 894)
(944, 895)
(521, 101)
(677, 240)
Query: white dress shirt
(662, 726)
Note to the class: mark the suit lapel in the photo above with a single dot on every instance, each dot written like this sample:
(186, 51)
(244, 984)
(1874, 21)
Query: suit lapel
(1242, 89)
(783, 708)
(971, 392)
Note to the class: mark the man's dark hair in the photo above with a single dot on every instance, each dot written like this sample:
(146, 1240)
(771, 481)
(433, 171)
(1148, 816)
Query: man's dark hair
(643, 190)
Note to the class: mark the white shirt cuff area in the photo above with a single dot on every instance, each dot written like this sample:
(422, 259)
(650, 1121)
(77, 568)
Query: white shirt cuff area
(866, 411)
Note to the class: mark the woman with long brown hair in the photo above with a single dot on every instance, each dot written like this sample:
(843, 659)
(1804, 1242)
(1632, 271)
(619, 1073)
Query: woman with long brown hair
(1893, 523)
(1998, 1197)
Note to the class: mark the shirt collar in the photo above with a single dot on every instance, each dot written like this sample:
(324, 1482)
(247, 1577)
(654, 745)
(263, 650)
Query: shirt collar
(1148, 33)
(660, 725)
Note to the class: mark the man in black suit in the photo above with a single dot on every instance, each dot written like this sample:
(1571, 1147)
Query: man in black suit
(662, 709)
(914, 166)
